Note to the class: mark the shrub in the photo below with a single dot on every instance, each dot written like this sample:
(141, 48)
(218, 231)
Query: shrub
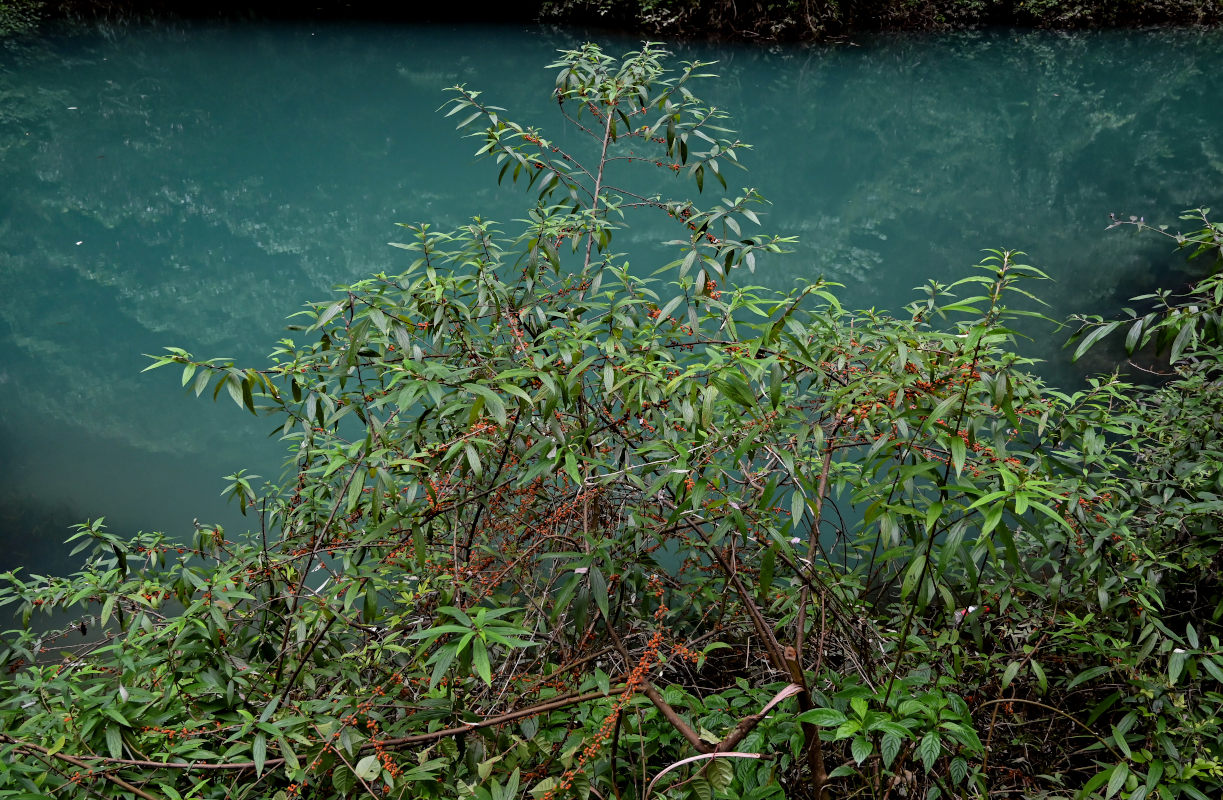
(19, 16)
(561, 527)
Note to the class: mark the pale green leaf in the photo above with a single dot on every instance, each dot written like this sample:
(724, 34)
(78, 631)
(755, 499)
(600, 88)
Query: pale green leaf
(368, 768)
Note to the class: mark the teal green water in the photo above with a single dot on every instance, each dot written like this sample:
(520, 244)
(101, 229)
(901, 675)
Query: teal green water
(193, 186)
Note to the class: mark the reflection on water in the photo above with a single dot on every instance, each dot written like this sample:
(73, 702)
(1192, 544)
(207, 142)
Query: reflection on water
(194, 185)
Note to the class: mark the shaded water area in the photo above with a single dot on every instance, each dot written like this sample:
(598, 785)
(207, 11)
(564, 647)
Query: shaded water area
(194, 185)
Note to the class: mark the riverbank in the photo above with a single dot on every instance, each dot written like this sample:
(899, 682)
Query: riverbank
(789, 20)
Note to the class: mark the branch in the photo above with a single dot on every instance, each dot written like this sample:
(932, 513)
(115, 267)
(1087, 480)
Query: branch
(76, 762)
(677, 722)
(745, 725)
(550, 705)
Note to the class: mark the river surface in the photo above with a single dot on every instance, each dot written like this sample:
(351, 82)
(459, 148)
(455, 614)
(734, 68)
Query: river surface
(195, 185)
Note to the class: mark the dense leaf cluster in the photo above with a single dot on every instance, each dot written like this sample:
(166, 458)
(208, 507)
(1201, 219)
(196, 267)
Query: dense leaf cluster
(558, 527)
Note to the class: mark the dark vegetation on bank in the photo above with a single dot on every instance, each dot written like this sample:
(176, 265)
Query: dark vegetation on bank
(753, 21)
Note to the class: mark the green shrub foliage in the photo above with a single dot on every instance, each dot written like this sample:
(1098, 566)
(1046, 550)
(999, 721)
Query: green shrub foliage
(828, 19)
(19, 16)
(557, 527)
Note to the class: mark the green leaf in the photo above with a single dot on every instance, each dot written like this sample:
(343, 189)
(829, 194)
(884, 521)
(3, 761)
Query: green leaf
(768, 565)
(847, 729)
(1212, 666)
(1117, 779)
(114, 741)
(1189, 790)
(492, 400)
(479, 660)
(1039, 672)
(473, 459)
(671, 305)
(913, 575)
(735, 389)
(1012, 669)
(344, 781)
(798, 508)
(993, 515)
(1154, 772)
(369, 607)
(1131, 338)
(441, 661)
(236, 388)
(354, 491)
(1187, 332)
(602, 681)
(108, 607)
(248, 399)
(1176, 664)
(436, 632)
(932, 514)
(511, 786)
(721, 774)
(259, 751)
(861, 748)
(327, 315)
(368, 768)
(1096, 335)
(889, 748)
(291, 762)
(114, 714)
(958, 452)
(929, 750)
(544, 787)
(940, 411)
(1095, 782)
(823, 717)
(1087, 675)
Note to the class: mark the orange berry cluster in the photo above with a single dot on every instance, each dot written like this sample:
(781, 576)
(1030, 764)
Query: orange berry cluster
(636, 680)
(172, 733)
(684, 215)
(520, 345)
(682, 651)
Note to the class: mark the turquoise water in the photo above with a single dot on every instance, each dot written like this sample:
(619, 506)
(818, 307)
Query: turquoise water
(194, 185)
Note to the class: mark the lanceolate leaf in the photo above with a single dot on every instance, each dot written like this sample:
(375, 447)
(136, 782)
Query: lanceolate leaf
(259, 751)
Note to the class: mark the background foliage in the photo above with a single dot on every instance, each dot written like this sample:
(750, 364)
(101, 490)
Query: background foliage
(19, 16)
(767, 20)
(822, 19)
(555, 526)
